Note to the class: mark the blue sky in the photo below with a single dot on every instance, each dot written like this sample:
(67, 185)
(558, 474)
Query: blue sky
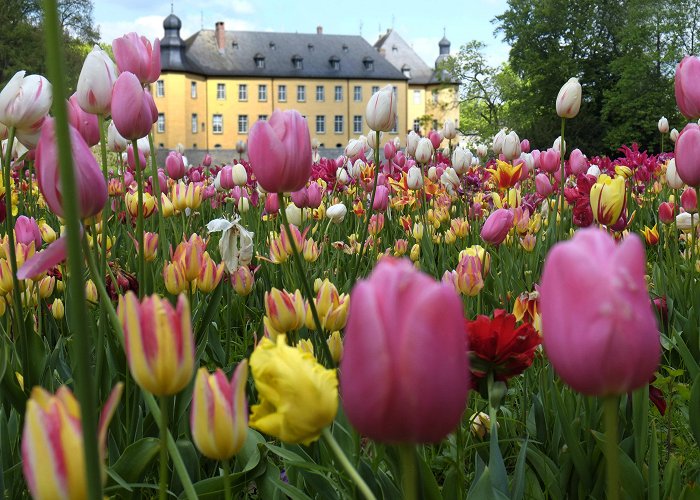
(418, 22)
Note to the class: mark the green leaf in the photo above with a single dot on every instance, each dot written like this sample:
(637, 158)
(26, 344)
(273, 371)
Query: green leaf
(134, 462)
(653, 485)
(630, 477)
(213, 488)
(672, 479)
(497, 468)
(573, 444)
(429, 486)
(693, 416)
(688, 358)
(546, 470)
(640, 419)
(519, 477)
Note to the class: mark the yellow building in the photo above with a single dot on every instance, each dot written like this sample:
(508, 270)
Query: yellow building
(217, 83)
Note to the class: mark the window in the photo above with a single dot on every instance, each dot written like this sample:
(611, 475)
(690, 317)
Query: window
(297, 62)
(368, 63)
(335, 62)
(221, 91)
(301, 93)
(375, 89)
(243, 92)
(338, 124)
(338, 93)
(161, 123)
(193, 90)
(282, 93)
(416, 97)
(262, 92)
(160, 88)
(242, 124)
(357, 93)
(217, 124)
(259, 61)
(194, 123)
(262, 118)
(406, 70)
(320, 93)
(320, 124)
(416, 125)
(357, 124)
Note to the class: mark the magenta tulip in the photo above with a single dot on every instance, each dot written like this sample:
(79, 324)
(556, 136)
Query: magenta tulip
(134, 53)
(578, 163)
(599, 327)
(497, 226)
(206, 162)
(314, 195)
(543, 185)
(381, 198)
(688, 155)
(130, 158)
(404, 371)
(689, 200)
(300, 197)
(175, 165)
(272, 203)
(280, 152)
(666, 212)
(133, 109)
(549, 160)
(27, 231)
(525, 146)
(688, 87)
(90, 182)
(85, 123)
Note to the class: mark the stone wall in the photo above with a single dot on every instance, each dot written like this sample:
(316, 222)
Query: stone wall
(223, 156)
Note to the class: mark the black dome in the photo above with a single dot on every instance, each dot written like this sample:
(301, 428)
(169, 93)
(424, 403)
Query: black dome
(172, 22)
(442, 43)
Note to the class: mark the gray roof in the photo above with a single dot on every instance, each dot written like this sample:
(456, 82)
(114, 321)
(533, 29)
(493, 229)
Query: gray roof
(400, 54)
(201, 55)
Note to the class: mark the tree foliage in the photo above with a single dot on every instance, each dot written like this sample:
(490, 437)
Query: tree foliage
(21, 39)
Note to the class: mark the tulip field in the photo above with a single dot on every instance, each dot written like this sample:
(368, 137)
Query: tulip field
(419, 318)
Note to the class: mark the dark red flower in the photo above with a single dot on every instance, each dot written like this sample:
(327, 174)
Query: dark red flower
(497, 345)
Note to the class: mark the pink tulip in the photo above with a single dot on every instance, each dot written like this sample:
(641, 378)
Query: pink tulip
(599, 327)
(389, 150)
(525, 146)
(206, 162)
(550, 160)
(578, 162)
(133, 109)
(90, 183)
(688, 87)
(280, 151)
(688, 154)
(416, 386)
(381, 198)
(272, 203)
(27, 231)
(315, 195)
(689, 200)
(435, 138)
(130, 160)
(497, 226)
(300, 197)
(543, 185)
(666, 214)
(175, 165)
(134, 54)
(83, 122)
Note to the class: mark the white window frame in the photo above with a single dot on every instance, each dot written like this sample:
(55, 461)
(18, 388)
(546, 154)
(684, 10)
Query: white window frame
(357, 120)
(338, 119)
(161, 123)
(338, 93)
(357, 93)
(320, 124)
(221, 91)
(243, 92)
(194, 120)
(262, 92)
(193, 90)
(282, 93)
(160, 88)
(301, 93)
(320, 92)
(242, 124)
(217, 124)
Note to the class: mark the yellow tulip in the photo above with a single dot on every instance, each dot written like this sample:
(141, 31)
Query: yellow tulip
(608, 199)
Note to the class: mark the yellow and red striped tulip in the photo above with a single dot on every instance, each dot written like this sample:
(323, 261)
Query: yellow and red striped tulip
(159, 342)
(286, 311)
(189, 255)
(608, 199)
(53, 460)
(150, 246)
(468, 277)
(174, 278)
(242, 281)
(219, 416)
(209, 274)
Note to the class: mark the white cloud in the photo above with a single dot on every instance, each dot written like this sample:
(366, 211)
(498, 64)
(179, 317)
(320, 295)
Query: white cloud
(149, 26)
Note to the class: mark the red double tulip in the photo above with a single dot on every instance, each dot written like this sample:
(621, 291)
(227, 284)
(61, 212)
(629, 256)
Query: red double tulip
(404, 377)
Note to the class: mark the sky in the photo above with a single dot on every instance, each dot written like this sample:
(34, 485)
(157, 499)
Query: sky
(412, 19)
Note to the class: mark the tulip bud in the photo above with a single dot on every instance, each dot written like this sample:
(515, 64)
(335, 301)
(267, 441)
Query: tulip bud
(689, 200)
(135, 54)
(511, 146)
(58, 310)
(569, 99)
(666, 212)
(115, 141)
(133, 110)
(97, 77)
(424, 151)
(412, 143)
(25, 100)
(414, 178)
(498, 140)
(242, 281)
(461, 160)
(175, 165)
(672, 178)
(673, 135)
(219, 414)
(663, 125)
(337, 212)
(449, 130)
(286, 311)
(382, 110)
(686, 87)
(687, 152)
(335, 346)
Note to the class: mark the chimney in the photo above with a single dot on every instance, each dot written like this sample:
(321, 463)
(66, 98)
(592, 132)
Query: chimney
(220, 36)
(319, 30)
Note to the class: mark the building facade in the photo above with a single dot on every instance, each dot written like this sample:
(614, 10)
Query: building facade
(216, 84)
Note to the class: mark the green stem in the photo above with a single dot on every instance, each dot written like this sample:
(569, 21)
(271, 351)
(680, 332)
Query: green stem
(16, 295)
(562, 181)
(227, 480)
(345, 463)
(162, 237)
(141, 267)
(77, 317)
(369, 213)
(163, 485)
(610, 407)
(308, 291)
(409, 472)
(147, 397)
(106, 209)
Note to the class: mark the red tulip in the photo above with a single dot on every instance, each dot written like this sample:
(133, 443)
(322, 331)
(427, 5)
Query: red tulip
(280, 152)
(599, 327)
(404, 371)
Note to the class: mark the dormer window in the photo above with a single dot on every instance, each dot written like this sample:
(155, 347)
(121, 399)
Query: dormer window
(234, 44)
(297, 62)
(311, 47)
(368, 62)
(345, 48)
(406, 70)
(335, 62)
(259, 61)
(273, 46)
(394, 49)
